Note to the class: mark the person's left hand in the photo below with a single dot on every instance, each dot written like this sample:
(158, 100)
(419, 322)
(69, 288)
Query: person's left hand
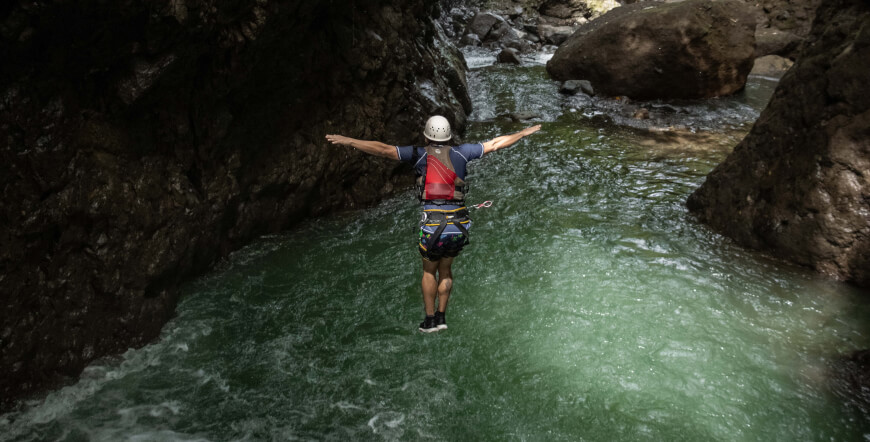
(339, 139)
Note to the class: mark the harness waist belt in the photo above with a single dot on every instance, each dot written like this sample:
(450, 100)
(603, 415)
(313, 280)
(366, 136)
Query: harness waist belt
(442, 218)
(445, 202)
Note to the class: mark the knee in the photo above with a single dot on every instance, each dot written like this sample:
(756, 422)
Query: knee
(445, 277)
(445, 284)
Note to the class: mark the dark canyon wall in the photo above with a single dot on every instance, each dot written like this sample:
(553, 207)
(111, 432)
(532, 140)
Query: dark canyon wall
(799, 183)
(143, 140)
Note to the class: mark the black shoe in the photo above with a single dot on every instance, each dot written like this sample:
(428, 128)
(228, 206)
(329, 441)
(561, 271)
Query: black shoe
(440, 322)
(428, 325)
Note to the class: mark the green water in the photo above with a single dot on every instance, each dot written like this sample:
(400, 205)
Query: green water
(589, 306)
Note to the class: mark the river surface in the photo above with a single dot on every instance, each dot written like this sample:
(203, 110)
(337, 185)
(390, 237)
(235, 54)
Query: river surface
(590, 305)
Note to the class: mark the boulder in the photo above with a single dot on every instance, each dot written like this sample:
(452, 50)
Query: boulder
(565, 9)
(572, 87)
(691, 49)
(509, 55)
(798, 185)
(512, 41)
(494, 31)
(771, 41)
(515, 12)
(503, 35)
(482, 23)
(460, 15)
(788, 15)
(772, 66)
(523, 116)
(783, 25)
(555, 35)
(470, 40)
(499, 31)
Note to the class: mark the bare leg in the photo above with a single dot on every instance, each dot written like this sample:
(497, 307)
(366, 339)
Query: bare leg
(429, 285)
(445, 282)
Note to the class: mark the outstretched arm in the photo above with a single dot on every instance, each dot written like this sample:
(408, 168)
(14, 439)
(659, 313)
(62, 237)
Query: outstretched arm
(371, 147)
(507, 140)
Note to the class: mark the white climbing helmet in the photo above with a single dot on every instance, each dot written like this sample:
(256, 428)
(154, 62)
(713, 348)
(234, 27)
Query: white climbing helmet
(437, 129)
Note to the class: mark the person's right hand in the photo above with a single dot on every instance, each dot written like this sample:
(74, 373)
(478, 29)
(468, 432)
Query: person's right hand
(530, 130)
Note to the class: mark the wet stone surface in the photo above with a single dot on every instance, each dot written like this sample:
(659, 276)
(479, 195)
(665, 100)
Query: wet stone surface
(133, 162)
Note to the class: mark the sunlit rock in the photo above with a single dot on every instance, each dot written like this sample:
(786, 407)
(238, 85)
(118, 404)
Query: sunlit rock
(772, 66)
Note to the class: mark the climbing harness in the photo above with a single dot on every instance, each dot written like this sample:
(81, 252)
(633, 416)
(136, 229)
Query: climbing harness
(440, 185)
(440, 218)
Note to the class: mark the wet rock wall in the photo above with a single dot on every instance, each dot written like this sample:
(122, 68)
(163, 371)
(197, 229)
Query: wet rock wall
(798, 185)
(144, 140)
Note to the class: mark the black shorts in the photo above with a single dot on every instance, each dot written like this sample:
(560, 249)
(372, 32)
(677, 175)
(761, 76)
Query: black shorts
(448, 246)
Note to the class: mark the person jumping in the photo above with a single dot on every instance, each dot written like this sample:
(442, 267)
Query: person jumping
(441, 188)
